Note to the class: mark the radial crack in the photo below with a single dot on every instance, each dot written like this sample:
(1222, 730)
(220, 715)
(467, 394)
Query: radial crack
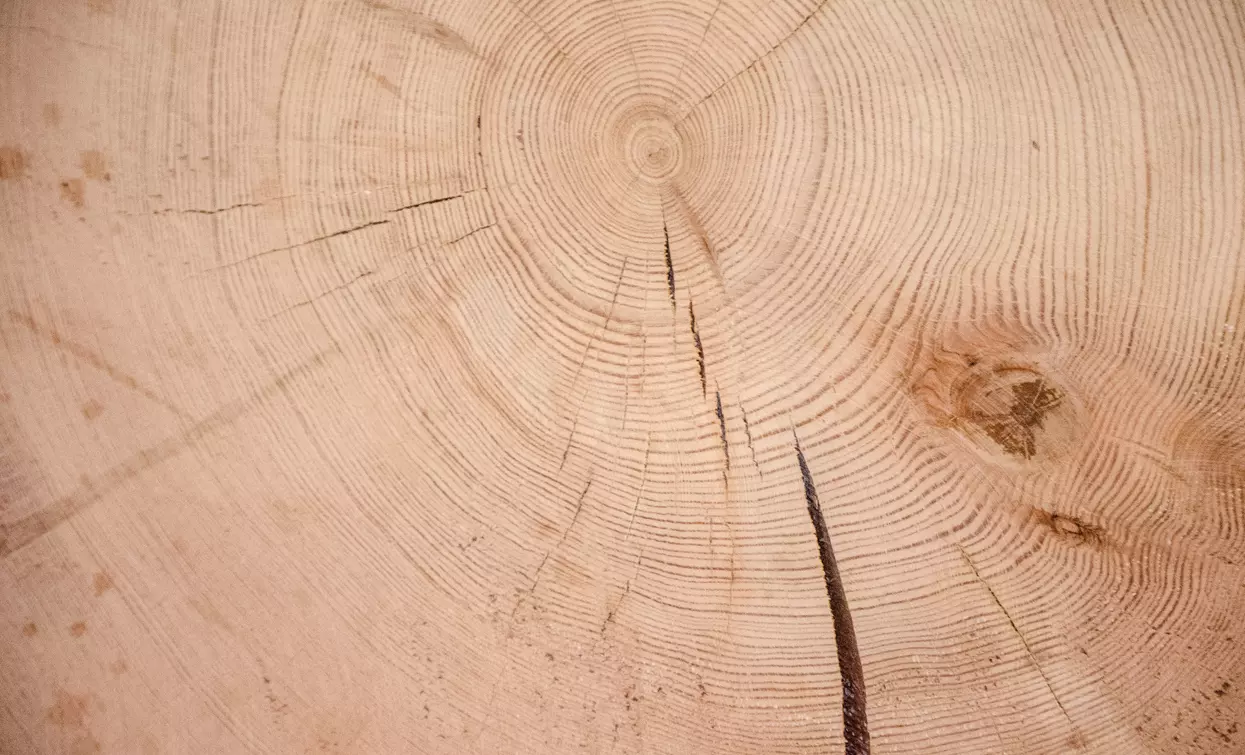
(317, 239)
(700, 348)
(319, 296)
(579, 506)
(648, 443)
(426, 202)
(699, 45)
(753, 64)
(575, 381)
(748, 435)
(851, 671)
(468, 234)
(195, 211)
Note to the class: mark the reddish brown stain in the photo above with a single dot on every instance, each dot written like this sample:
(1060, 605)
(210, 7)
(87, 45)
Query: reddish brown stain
(12, 163)
(77, 629)
(420, 24)
(84, 746)
(698, 227)
(94, 166)
(1014, 429)
(119, 666)
(73, 190)
(1070, 527)
(51, 114)
(210, 613)
(92, 409)
(381, 80)
(992, 386)
(103, 583)
(30, 630)
(1213, 450)
(99, 6)
(69, 711)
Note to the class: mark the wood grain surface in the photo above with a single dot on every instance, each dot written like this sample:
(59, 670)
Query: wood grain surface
(622, 376)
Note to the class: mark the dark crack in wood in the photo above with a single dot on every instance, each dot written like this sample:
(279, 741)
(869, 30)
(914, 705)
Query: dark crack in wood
(851, 671)
(700, 348)
(726, 449)
(669, 266)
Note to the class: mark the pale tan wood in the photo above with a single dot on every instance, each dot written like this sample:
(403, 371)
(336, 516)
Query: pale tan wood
(426, 376)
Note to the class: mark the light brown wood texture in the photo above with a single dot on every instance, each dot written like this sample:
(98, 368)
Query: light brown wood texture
(622, 376)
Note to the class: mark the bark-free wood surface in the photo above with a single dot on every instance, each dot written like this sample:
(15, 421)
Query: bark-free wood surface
(622, 376)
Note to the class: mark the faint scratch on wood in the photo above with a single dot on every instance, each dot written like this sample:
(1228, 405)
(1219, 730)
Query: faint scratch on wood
(381, 80)
(643, 479)
(83, 354)
(1020, 635)
(30, 528)
(609, 315)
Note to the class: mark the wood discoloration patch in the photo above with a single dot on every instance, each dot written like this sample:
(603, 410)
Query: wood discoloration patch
(210, 613)
(84, 746)
(12, 163)
(73, 191)
(1210, 450)
(92, 409)
(20, 478)
(1070, 528)
(381, 80)
(702, 235)
(69, 710)
(1015, 427)
(102, 583)
(95, 166)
